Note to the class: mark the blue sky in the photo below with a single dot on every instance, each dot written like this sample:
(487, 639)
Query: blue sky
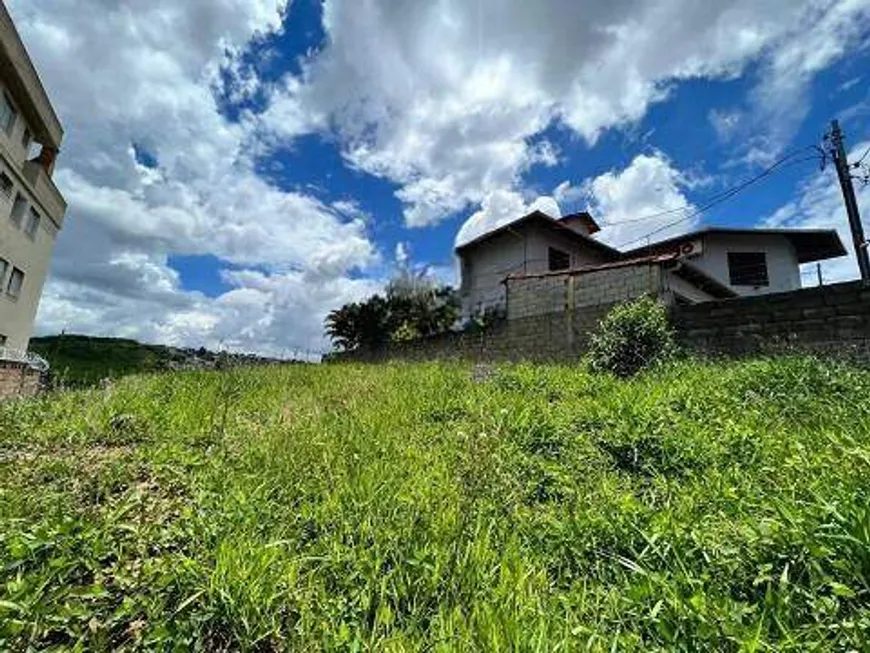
(250, 167)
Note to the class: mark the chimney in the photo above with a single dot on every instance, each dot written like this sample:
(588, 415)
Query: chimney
(581, 222)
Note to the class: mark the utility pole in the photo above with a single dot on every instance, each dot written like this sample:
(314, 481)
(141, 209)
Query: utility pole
(838, 153)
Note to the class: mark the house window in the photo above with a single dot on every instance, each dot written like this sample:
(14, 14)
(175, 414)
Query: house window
(18, 210)
(16, 280)
(557, 259)
(8, 114)
(6, 184)
(4, 266)
(32, 223)
(2, 340)
(747, 268)
(26, 138)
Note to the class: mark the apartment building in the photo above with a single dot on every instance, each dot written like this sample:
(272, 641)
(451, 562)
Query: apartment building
(31, 207)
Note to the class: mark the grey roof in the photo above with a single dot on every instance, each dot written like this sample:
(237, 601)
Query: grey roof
(810, 244)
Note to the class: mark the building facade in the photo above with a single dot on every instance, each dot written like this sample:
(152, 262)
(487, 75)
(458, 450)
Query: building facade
(700, 266)
(533, 244)
(31, 207)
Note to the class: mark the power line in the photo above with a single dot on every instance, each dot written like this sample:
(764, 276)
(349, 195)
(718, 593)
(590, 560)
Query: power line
(686, 208)
(729, 193)
(861, 160)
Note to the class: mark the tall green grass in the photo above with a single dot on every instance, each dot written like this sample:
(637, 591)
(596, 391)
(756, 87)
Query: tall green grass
(439, 507)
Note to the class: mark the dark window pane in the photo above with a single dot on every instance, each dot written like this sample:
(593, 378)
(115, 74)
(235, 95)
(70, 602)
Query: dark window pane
(558, 260)
(747, 268)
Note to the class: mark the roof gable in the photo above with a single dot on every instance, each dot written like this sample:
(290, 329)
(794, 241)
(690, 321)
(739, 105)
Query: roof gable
(542, 219)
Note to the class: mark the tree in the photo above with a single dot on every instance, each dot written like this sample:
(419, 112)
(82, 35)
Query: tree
(359, 324)
(414, 307)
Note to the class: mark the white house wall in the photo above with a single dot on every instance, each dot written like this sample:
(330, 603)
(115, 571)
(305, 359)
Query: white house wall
(783, 270)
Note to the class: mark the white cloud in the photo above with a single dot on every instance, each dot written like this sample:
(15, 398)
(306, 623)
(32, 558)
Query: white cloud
(500, 208)
(145, 73)
(448, 100)
(445, 98)
(649, 186)
(819, 205)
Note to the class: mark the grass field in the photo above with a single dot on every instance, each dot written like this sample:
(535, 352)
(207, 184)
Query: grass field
(405, 507)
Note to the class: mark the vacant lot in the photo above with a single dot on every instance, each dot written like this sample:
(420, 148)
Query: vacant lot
(718, 507)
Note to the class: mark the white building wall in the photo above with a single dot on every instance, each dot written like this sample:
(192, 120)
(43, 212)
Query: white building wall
(783, 270)
(30, 255)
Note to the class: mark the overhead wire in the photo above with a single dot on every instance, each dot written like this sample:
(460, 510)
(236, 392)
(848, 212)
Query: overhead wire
(726, 194)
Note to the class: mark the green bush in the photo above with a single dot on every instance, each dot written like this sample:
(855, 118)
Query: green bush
(631, 337)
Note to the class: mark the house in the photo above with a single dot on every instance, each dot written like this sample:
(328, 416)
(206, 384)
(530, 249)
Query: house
(712, 263)
(31, 207)
(533, 244)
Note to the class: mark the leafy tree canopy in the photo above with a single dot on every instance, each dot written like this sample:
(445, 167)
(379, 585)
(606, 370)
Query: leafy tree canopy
(413, 306)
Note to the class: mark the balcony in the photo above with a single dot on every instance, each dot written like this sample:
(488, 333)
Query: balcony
(45, 190)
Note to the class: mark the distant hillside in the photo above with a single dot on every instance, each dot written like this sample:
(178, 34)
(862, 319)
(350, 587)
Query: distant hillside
(84, 360)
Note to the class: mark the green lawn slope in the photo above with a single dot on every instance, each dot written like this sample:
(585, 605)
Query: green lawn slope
(84, 360)
(719, 507)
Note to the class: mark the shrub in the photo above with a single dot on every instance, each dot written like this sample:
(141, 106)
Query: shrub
(631, 337)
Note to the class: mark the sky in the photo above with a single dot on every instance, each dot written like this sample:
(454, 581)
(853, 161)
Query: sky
(237, 168)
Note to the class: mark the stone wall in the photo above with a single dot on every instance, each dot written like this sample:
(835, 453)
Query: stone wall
(833, 319)
(18, 380)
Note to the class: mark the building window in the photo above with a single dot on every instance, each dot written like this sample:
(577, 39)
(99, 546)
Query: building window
(4, 266)
(6, 184)
(747, 268)
(18, 210)
(16, 280)
(2, 340)
(32, 223)
(26, 138)
(557, 259)
(8, 114)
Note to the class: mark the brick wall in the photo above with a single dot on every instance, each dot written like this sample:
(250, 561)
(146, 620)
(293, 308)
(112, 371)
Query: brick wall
(18, 380)
(527, 296)
(557, 293)
(616, 284)
(832, 319)
(554, 336)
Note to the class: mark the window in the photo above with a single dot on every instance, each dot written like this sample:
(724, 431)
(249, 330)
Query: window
(8, 114)
(6, 184)
(16, 280)
(2, 340)
(4, 266)
(557, 259)
(32, 223)
(18, 210)
(26, 137)
(747, 268)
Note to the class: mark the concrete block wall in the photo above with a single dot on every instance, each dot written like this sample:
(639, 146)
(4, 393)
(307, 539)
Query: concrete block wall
(527, 296)
(833, 319)
(830, 320)
(18, 380)
(616, 284)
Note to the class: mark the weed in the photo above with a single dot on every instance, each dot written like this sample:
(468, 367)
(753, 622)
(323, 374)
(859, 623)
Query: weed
(700, 506)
